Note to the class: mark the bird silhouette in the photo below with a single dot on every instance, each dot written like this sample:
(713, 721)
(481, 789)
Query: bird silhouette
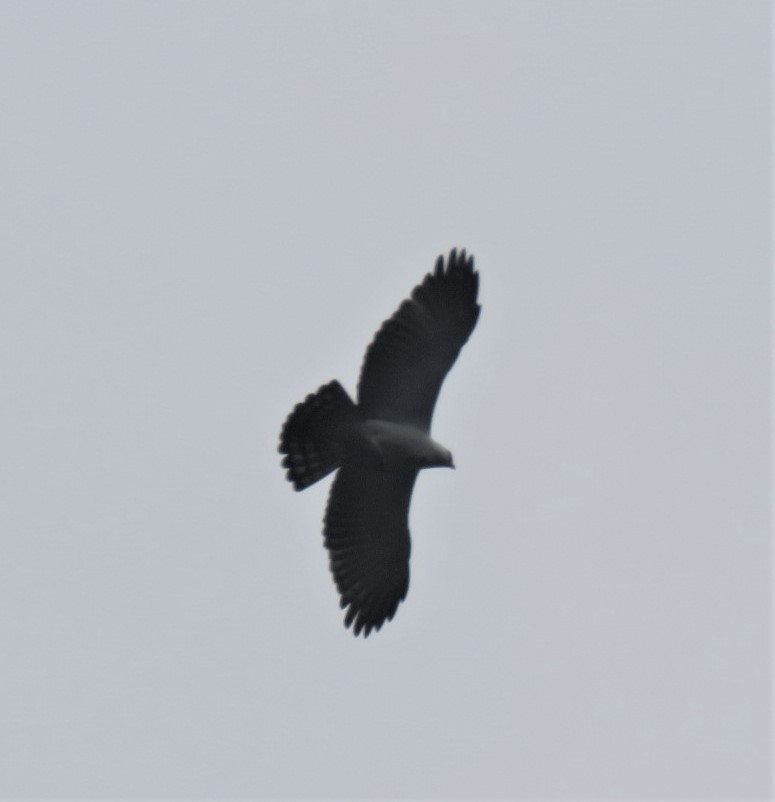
(381, 443)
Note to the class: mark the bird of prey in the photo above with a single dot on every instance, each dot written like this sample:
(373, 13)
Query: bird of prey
(381, 443)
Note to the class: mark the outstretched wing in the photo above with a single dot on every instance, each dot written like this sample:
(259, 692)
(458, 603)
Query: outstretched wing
(412, 352)
(367, 536)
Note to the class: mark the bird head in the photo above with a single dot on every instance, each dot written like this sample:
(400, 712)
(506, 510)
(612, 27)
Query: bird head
(438, 457)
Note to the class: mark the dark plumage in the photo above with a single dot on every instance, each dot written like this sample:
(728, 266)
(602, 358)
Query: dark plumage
(380, 444)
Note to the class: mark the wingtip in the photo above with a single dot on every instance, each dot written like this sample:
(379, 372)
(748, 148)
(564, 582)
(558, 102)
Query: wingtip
(458, 261)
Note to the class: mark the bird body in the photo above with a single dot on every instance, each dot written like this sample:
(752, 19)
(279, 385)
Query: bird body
(381, 443)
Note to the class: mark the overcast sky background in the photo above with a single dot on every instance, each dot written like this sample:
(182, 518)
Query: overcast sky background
(208, 209)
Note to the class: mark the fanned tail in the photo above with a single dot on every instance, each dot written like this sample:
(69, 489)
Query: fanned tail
(313, 434)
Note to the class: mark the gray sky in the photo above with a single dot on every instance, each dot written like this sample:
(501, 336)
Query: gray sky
(208, 210)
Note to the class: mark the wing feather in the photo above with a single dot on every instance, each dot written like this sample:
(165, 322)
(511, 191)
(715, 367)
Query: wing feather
(366, 533)
(412, 352)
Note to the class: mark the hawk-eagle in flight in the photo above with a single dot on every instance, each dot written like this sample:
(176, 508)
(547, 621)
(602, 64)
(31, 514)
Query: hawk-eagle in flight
(381, 443)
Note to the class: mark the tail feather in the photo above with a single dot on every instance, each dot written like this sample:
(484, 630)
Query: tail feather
(313, 433)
